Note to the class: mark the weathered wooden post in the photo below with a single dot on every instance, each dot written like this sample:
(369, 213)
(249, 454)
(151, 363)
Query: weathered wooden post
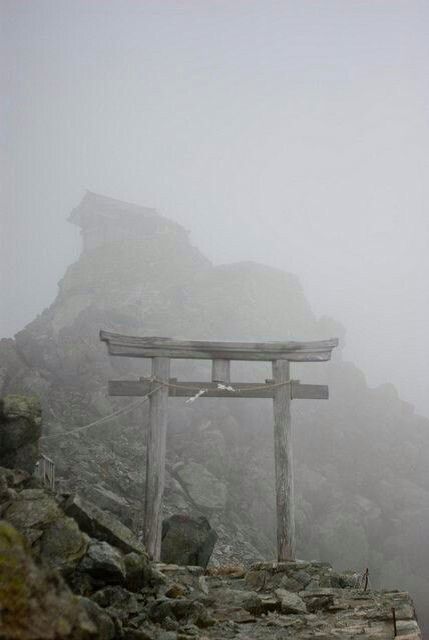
(283, 461)
(155, 457)
(221, 371)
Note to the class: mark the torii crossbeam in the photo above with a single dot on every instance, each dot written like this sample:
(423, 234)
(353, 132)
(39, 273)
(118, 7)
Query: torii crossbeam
(160, 386)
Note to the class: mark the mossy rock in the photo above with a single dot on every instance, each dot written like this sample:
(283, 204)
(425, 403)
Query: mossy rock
(20, 430)
(62, 544)
(36, 603)
(17, 406)
(37, 511)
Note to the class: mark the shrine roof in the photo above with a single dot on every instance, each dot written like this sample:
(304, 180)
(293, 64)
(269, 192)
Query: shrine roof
(94, 208)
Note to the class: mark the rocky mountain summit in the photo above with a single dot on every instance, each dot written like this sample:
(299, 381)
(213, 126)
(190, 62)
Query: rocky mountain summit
(88, 577)
(361, 474)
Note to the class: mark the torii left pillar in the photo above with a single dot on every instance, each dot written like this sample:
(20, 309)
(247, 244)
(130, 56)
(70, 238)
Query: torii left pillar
(155, 457)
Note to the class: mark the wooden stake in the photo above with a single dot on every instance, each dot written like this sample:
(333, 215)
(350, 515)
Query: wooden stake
(366, 579)
(283, 463)
(155, 460)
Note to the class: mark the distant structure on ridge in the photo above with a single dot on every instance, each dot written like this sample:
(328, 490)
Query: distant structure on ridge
(103, 220)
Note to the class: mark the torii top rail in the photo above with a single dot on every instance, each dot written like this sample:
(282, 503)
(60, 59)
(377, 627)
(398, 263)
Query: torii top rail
(281, 389)
(144, 347)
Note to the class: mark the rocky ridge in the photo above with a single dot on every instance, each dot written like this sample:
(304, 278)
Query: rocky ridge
(87, 577)
(361, 475)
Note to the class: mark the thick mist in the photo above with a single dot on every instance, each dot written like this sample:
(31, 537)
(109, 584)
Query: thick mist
(290, 133)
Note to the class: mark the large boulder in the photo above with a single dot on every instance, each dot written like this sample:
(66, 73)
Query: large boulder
(104, 563)
(102, 525)
(187, 541)
(56, 537)
(112, 556)
(35, 602)
(33, 508)
(107, 500)
(138, 571)
(20, 429)
(62, 544)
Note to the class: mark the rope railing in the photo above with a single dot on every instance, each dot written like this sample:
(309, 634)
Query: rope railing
(162, 383)
(222, 386)
(103, 420)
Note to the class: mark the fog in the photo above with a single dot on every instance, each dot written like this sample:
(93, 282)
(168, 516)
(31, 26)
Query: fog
(289, 133)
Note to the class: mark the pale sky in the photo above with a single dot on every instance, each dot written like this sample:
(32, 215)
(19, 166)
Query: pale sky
(293, 133)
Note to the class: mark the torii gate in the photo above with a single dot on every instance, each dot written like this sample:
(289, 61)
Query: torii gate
(159, 386)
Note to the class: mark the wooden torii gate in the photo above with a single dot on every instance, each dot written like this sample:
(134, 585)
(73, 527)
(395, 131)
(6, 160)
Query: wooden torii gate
(159, 386)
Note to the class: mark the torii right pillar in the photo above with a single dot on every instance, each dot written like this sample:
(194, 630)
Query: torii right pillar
(283, 460)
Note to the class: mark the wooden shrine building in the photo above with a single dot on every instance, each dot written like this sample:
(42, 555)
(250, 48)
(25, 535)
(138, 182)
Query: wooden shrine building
(160, 386)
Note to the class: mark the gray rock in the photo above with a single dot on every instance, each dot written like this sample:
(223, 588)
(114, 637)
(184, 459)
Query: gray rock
(302, 577)
(182, 609)
(20, 430)
(204, 488)
(36, 603)
(55, 537)
(110, 501)
(62, 544)
(34, 510)
(290, 602)
(101, 525)
(14, 478)
(318, 600)
(187, 540)
(101, 621)
(260, 603)
(144, 634)
(103, 562)
(116, 596)
(237, 598)
(138, 571)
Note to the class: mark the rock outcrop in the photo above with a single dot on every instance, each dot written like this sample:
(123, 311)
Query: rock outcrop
(87, 552)
(69, 570)
(270, 601)
(20, 430)
(102, 526)
(36, 604)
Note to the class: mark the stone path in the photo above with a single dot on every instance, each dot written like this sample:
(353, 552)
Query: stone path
(297, 600)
